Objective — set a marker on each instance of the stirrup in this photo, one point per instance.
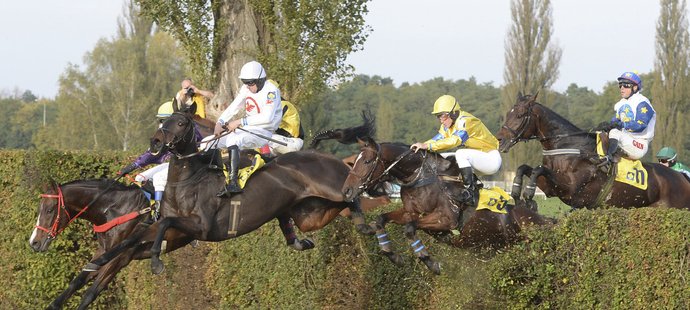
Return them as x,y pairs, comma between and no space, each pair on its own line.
228,190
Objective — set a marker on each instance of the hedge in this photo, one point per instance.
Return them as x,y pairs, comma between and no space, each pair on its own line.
591,259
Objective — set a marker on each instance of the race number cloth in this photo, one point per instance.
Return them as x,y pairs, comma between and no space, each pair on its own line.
494,199
630,172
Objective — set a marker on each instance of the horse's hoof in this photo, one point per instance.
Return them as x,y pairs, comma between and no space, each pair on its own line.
365,229
157,267
302,245
434,266
394,257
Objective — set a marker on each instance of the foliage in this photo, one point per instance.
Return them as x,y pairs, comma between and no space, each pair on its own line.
623,259
671,69
302,45
112,103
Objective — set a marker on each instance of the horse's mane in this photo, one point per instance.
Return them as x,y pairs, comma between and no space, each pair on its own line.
557,117
102,184
348,135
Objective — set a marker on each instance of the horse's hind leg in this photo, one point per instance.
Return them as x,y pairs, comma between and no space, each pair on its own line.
420,249
285,223
78,282
357,217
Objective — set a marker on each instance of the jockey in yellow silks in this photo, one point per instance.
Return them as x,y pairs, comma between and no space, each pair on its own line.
478,146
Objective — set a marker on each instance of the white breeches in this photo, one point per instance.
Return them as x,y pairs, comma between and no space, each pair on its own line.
482,163
635,148
159,175
242,139
293,144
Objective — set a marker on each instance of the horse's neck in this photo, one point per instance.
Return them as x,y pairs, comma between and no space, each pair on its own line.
78,197
556,132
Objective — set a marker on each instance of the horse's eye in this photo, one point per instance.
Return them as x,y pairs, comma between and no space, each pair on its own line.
180,124
368,161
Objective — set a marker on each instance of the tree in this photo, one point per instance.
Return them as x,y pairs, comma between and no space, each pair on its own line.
670,90
531,64
303,45
112,103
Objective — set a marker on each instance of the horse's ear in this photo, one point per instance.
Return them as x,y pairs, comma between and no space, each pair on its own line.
192,109
519,97
50,187
176,107
534,98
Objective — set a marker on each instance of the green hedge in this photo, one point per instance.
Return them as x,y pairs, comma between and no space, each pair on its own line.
593,259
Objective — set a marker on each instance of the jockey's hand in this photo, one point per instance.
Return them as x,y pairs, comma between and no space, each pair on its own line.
219,129
417,146
233,124
128,169
604,126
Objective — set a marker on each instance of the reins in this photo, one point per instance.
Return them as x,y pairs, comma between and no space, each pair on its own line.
54,231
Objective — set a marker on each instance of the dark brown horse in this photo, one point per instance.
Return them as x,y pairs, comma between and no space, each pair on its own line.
304,186
103,203
569,170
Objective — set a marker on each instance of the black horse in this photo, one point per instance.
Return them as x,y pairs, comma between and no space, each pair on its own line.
569,169
304,186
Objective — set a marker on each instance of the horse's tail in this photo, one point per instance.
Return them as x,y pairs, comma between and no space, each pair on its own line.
348,135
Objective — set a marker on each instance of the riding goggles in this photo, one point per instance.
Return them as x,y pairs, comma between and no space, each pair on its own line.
625,85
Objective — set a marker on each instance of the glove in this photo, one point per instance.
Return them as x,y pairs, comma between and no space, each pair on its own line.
128,169
604,126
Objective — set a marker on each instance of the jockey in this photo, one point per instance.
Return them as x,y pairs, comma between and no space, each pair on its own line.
260,100
667,157
633,126
290,130
158,174
479,148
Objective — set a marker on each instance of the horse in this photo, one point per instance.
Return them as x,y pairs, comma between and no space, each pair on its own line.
303,186
115,210
569,168
428,201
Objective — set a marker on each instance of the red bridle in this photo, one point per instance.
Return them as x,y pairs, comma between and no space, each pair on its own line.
55,229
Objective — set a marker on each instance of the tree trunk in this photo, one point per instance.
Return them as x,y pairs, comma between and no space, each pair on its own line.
237,44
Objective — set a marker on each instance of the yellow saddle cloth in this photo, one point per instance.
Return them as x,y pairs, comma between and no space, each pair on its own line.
493,199
244,173
629,171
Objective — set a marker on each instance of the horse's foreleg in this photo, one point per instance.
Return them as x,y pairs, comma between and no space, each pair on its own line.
517,181
420,249
78,282
156,263
105,276
382,235
531,188
358,220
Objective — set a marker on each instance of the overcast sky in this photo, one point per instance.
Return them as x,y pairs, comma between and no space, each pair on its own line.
411,41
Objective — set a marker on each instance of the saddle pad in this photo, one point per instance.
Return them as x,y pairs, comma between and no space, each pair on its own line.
244,173
493,199
630,172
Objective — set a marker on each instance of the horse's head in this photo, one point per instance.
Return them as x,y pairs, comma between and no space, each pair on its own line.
176,134
366,170
520,123
53,217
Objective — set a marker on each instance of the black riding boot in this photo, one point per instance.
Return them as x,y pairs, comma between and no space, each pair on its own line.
470,184
609,159
232,186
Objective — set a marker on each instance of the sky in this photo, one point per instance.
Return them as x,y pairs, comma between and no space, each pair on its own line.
411,41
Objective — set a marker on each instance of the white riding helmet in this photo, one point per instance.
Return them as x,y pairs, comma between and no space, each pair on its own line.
252,70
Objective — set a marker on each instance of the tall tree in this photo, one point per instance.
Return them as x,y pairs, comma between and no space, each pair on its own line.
531,64
112,103
303,45
670,91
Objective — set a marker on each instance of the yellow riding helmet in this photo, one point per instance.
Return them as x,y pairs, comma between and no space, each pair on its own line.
165,110
446,104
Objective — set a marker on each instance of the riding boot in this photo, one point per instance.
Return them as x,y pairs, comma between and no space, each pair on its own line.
233,186
469,196
155,212
609,159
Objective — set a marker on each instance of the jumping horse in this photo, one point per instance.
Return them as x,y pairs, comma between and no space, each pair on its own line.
569,168
115,210
428,201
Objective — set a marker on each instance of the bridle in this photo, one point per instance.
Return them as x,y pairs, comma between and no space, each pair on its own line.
517,133
186,137
55,227
368,177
